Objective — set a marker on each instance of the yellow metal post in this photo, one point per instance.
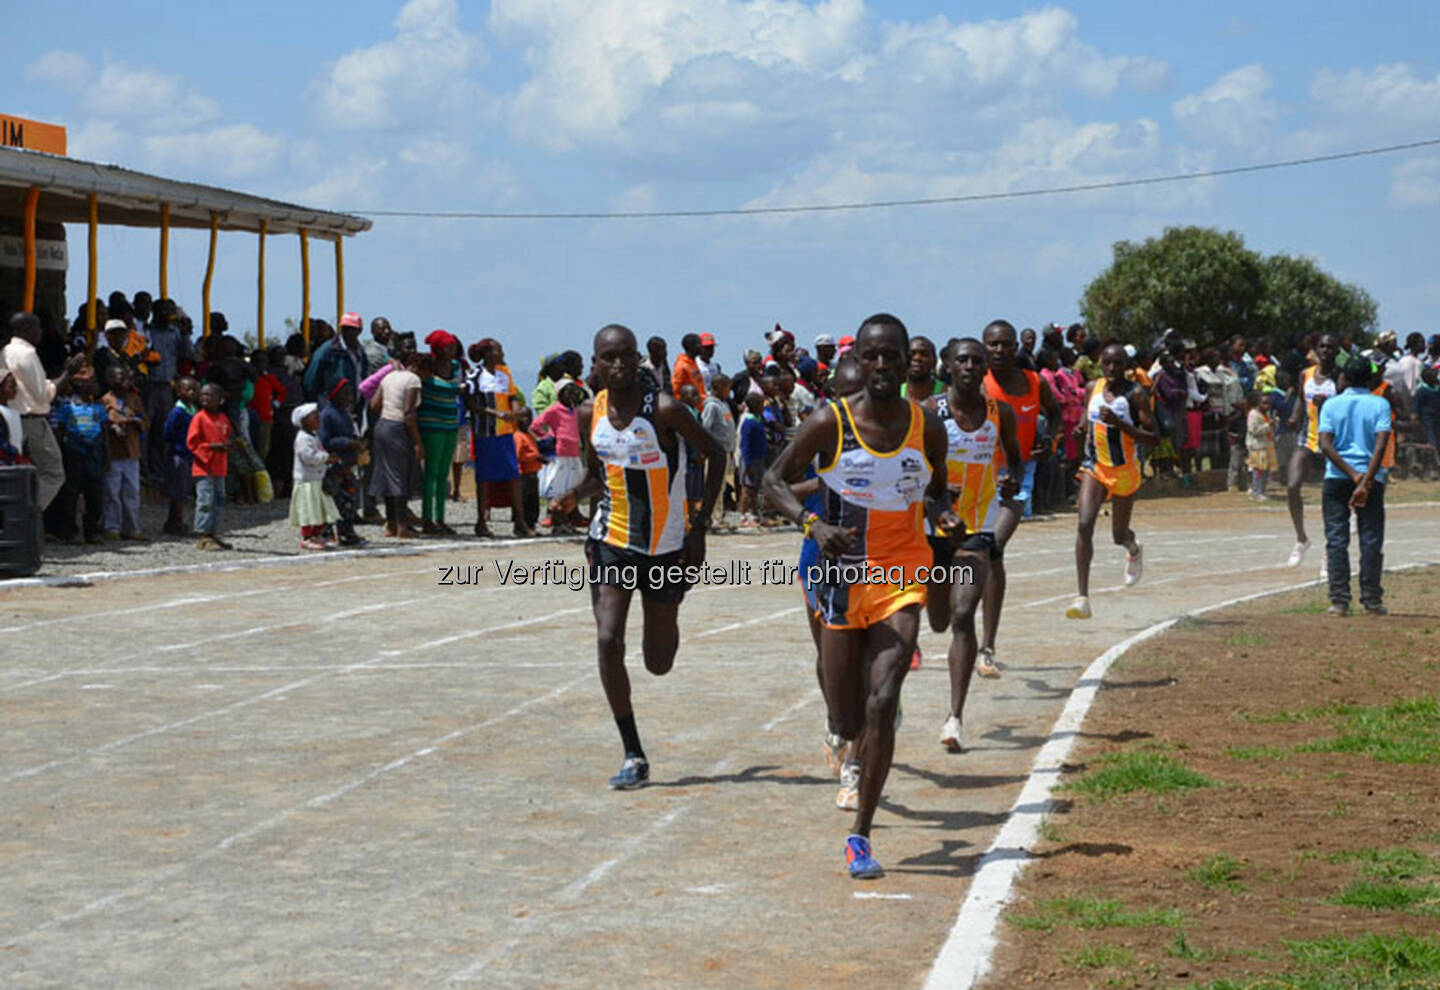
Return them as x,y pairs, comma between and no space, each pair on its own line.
209,271
93,283
32,200
164,250
305,286
339,281
260,289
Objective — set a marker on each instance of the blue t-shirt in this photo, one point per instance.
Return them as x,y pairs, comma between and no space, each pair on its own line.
1354,417
84,421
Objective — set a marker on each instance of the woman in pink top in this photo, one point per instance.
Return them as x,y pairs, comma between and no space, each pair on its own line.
562,421
1069,391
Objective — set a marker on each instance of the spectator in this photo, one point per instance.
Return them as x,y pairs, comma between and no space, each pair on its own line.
310,508
655,368
12,433
377,348
782,351
336,434
494,399
747,382
398,450
1087,365
112,352
281,459
687,367
438,418
754,452
527,457
1260,443
81,422
566,469
719,422
709,367
178,460
209,439
1355,428
1026,358
825,352
171,346
33,395
269,396
337,358
125,412
552,369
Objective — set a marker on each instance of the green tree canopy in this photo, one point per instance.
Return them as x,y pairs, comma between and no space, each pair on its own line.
1299,298
1209,286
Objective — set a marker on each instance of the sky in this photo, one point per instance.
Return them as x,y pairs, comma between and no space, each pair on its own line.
611,105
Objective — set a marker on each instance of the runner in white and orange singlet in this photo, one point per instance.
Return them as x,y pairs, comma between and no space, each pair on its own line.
1317,383
880,459
980,440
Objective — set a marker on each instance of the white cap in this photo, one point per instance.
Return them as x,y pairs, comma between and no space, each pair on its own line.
301,411
116,325
824,340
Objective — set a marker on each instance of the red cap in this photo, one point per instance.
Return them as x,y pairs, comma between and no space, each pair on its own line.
847,341
351,320
707,340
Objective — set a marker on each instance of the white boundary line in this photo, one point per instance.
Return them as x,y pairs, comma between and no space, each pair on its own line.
965,957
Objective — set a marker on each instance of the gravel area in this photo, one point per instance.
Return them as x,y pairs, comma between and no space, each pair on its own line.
258,532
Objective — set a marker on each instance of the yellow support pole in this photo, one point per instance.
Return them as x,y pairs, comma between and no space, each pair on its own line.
32,201
93,283
209,271
305,286
339,281
260,288
164,250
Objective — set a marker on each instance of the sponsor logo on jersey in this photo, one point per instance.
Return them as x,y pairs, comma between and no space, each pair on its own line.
858,482
650,458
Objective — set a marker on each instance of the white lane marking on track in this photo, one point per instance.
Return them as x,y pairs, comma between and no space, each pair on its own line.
477,967
793,710
244,703
151,883
84,616
870,895
965,957
748,622
628,848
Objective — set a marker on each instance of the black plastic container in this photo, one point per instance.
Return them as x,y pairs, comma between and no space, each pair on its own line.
22,532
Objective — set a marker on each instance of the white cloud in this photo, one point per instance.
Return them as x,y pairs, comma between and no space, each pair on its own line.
232,151
405,80
68,70
1416,183
353,184
1395,94
149,99
440,154
100,141
1232,110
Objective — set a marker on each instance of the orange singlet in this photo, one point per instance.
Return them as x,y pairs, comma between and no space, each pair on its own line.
1027,411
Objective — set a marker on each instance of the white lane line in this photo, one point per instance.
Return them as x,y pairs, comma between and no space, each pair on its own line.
246,703
965,957
870,895
85,616
258,563
224,845
792,711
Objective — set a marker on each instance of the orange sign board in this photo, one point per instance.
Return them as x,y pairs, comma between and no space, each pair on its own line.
17,132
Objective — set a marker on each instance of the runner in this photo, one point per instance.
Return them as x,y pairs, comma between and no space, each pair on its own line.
876,457
636,464
1317,383
980,435
1028,395
1117,417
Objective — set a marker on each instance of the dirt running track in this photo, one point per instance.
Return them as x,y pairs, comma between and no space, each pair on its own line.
344,775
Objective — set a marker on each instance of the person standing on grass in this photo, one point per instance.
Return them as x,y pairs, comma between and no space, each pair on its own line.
1354,430
210,438
1117,419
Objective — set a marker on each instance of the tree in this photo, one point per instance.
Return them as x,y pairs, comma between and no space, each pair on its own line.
1204,283
1299,298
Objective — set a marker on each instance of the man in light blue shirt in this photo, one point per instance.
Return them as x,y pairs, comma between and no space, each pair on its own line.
1354,430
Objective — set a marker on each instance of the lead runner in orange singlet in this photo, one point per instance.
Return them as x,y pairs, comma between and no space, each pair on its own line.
881,461
636,463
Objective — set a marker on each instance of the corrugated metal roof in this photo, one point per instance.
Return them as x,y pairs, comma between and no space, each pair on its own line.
133,199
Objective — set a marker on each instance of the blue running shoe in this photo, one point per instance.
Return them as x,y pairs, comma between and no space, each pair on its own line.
863,866
634,772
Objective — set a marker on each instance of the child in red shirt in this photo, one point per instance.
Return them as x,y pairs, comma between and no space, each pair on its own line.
527,452
209,441
269,393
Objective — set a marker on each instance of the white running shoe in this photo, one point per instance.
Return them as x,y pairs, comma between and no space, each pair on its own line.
1134,566
848,797
1324,568
1298,554
835,748
1079,608
985,664
951,737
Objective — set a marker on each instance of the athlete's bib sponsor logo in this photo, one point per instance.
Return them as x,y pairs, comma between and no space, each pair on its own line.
858,482
650,458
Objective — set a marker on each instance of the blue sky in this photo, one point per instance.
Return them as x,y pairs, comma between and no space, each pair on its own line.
540,105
